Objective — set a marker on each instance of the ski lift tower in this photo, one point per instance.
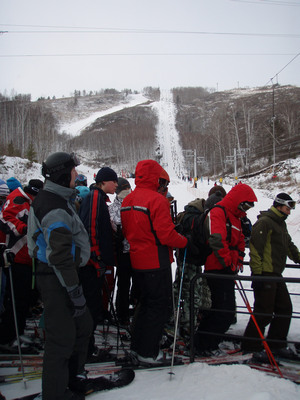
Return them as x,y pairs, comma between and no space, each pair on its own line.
191,154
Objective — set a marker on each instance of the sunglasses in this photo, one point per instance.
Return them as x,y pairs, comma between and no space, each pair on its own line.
288,203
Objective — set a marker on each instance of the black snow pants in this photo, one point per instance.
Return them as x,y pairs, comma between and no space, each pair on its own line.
67,338
273,300
153,310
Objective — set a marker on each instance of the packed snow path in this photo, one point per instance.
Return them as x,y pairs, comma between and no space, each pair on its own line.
168,138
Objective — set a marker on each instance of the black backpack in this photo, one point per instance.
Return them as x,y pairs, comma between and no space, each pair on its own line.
191,224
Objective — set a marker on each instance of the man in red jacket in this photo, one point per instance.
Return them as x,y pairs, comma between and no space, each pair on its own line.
148,227
14,215
226,240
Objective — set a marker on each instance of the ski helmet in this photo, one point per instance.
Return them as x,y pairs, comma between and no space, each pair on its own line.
283,199
58,166
81,180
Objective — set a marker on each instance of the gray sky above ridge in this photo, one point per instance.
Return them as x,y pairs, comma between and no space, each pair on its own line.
52,48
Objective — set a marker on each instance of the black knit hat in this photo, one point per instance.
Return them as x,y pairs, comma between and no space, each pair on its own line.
106,174
33,186
123,184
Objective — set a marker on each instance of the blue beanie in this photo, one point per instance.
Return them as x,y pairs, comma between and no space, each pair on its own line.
13,183
83,191
106,174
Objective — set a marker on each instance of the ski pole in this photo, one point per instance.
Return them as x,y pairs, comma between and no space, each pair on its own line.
264,342
9,257
177,316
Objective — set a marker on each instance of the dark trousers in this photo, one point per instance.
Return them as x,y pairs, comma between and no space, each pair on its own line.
153,310
66,337
223,300
273,299
92,286
124,273
22,282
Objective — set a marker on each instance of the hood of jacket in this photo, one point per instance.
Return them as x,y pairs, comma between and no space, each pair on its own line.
238,194
67,193
274,214
197,203
147,174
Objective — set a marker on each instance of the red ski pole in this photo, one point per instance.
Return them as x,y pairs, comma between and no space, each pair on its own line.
264,342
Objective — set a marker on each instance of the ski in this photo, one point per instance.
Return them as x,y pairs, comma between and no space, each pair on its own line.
118,379
287,373
31,373
289,370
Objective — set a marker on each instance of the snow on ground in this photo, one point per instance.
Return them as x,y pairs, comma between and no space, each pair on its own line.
75,128
200,381
196,381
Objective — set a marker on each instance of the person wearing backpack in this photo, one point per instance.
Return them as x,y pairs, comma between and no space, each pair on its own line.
190,221
226,240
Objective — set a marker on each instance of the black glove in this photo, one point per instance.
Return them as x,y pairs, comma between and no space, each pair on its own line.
257,285
179,228
78,300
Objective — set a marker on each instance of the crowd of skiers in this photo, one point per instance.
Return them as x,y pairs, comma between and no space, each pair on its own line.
64,237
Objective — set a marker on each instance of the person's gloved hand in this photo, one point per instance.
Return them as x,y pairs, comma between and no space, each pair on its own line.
240,261
78,300
179,228
234,267
257,285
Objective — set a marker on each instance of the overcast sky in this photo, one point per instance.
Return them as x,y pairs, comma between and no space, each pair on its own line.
52,47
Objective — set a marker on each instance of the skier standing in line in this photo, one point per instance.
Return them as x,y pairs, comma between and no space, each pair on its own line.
124,268
270,245
226,240
95,216
60,244
202,298
13,217
149,229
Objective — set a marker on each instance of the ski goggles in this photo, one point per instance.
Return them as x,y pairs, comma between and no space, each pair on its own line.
288,203
81,178
163,182
246,205
163,185
75,159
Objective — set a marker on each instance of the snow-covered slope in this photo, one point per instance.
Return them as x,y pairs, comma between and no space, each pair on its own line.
168,138
76,127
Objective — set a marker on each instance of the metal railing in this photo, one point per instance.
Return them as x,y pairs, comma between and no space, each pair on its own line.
235,337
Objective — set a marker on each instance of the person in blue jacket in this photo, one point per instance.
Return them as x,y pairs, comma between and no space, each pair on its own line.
59,243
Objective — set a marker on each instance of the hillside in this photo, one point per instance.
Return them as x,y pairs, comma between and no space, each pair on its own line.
261,125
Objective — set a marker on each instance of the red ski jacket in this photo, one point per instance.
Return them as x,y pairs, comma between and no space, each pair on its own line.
14,215
225,233
147,222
